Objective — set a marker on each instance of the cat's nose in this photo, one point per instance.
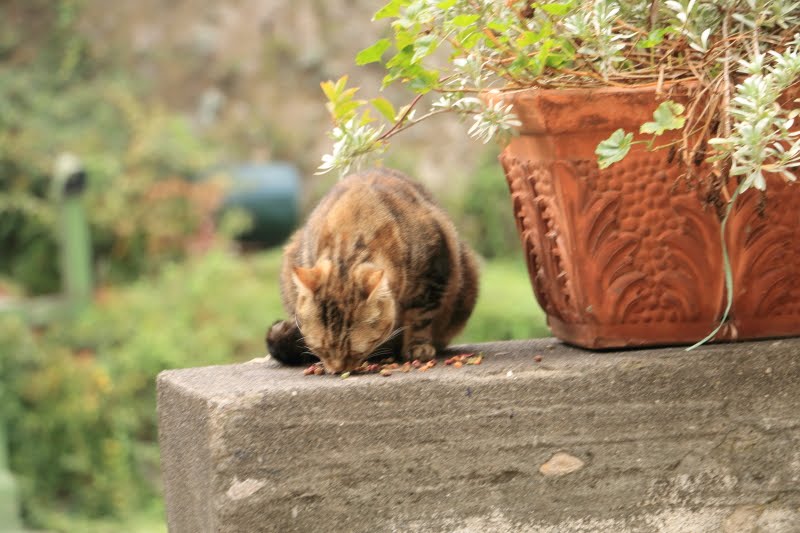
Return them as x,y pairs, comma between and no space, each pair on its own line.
334,366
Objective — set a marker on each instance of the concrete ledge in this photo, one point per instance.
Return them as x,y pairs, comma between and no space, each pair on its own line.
651,440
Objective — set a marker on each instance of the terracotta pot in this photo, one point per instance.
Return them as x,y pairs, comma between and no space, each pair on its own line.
630,255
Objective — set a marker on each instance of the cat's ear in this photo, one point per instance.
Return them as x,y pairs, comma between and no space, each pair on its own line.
311,279
374,281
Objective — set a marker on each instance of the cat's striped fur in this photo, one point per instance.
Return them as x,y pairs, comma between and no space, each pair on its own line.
377,258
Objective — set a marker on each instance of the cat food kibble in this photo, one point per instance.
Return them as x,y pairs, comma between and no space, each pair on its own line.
427,366
457,361
476,360
388,366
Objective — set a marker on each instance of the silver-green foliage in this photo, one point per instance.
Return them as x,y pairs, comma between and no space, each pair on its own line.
498,46
761,138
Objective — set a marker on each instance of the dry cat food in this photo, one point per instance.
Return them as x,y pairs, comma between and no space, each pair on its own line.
458,361
386,367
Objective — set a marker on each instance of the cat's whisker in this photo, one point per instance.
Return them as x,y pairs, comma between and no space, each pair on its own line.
395,333
381,352
383,349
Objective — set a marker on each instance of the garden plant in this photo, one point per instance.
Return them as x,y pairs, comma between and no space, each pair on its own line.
722,74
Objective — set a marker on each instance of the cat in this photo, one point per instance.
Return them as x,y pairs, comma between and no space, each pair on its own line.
377,270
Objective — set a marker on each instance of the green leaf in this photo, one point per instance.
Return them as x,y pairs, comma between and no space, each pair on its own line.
424,81
414,75
520,63
469,38
654,38
373,54
541,57
614,148
332,89
499,26
327,88
390,10
384,107
402,59
527,38
557,9
464,20
424,47
341,103
446,4
666,117
404,40
557,60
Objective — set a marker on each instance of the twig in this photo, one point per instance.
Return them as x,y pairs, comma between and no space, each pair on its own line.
726,73
653,14
391,131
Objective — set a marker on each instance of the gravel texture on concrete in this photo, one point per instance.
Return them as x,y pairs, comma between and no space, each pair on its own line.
656,440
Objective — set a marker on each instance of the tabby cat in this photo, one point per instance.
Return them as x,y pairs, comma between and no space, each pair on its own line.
377,270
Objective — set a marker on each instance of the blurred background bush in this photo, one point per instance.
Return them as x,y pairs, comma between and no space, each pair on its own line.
153,98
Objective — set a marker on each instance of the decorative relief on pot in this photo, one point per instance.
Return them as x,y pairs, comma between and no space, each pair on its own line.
640,251
536,217
764,252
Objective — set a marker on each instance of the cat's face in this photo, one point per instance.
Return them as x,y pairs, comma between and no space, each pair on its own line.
343,318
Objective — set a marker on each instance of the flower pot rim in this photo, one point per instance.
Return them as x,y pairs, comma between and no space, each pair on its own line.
585,109
647,88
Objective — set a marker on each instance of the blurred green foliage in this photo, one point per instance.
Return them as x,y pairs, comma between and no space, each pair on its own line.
506,307
483,211
55,99
79,397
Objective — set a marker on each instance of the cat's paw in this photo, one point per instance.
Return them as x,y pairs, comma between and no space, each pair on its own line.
422,352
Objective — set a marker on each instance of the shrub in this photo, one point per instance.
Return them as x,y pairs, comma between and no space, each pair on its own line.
57,98
79,395
506,307
483,212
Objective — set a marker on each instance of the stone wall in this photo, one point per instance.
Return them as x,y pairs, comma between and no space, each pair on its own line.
641,441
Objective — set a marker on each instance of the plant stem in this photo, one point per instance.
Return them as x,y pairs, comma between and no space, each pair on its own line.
726,265
653,18
726,262
402,119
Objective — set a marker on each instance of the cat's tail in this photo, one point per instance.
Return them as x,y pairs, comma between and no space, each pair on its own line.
285,344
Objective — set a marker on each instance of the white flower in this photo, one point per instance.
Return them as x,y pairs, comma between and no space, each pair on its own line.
496,120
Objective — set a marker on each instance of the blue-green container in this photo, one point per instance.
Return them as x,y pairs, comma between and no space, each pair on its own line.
270,194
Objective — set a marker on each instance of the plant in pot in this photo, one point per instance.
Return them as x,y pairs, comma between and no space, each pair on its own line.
649,151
